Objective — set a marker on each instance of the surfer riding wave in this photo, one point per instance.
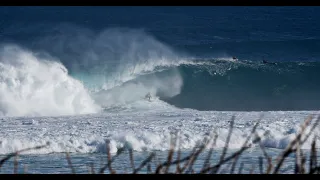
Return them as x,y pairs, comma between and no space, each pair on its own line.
148,96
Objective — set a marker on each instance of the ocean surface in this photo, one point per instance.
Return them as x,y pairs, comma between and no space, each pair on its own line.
74,77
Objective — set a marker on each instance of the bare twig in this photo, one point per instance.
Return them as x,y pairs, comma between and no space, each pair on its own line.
178,169
253,167
173,142
188,159
92,168
149,168
194,157
240,168
207,161
131,159
303,162
226,159
25,169
9,156
237,153
156,161
109,157
289,148
298,167
312,129
234,164
313,157
159,167
261,165
224,151
69,163
269,159
110,160
203,145
15,168
144,163
88,167
101,163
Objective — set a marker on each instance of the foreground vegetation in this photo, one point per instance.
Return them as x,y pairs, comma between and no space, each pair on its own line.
182,165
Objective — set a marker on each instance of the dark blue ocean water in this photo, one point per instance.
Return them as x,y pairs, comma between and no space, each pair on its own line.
274,33
289,36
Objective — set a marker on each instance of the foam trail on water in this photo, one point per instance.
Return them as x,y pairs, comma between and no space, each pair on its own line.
31,85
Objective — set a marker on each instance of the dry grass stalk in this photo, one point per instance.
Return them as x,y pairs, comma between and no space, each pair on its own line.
253,167
298,160
290,148
207,160
203,145
241,168
92,168
225,148
25,169
234,164
111,159
311,130
178,169
244,147
9,156
188,159
303,163
131,159
149,168
173,142
15,165
160,166
69,163
224,152
145,162
313,157
269,159
260,165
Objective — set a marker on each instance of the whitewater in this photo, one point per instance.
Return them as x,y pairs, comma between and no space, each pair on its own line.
144,131
74,103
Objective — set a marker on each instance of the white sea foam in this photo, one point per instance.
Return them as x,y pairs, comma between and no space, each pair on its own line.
145,130
33,86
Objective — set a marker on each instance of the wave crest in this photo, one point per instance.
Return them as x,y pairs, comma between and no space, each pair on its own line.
32,86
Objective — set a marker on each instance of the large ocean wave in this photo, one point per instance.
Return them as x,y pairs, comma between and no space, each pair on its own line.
78,71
